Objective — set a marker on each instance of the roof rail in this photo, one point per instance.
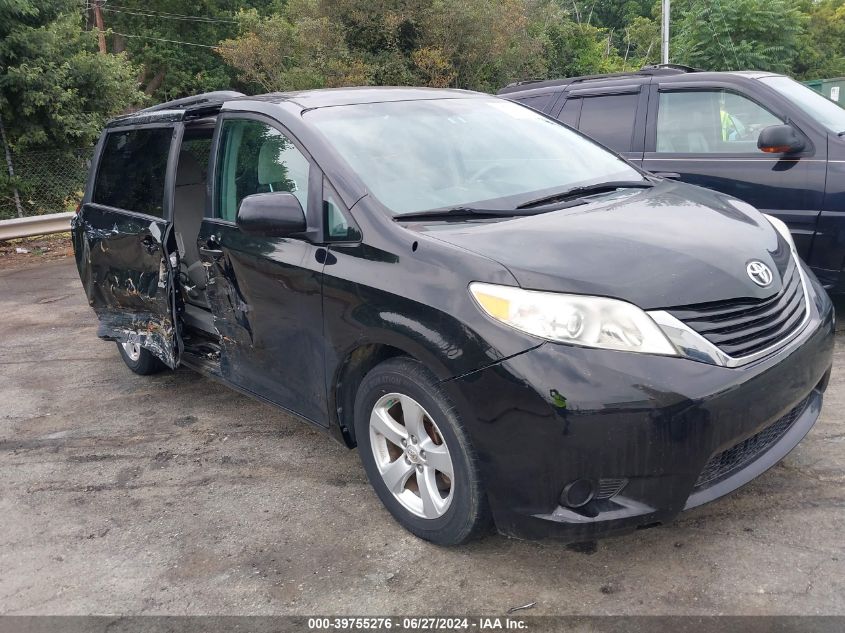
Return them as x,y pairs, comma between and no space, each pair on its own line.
218,96
524,82
645,70
681,67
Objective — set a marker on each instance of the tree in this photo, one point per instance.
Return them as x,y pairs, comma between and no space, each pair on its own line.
293,50
573,49
737,35
173,41
821,50
56,91
642,43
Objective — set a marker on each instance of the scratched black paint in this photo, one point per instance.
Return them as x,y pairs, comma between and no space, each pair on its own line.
298,321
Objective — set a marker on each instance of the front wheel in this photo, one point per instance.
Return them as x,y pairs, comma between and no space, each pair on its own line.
140,360
417,455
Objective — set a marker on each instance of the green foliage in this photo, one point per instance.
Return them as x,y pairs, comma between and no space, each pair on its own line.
737,35
172,41
821,50
573,49
294,50
55,89
642,43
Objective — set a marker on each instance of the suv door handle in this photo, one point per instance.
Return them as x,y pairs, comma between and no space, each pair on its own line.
149,244
211,247
669,175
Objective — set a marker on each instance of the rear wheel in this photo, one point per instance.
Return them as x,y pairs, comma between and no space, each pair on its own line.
140,360
417,455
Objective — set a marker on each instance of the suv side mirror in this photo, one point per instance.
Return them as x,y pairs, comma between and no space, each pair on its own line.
780,139
276,214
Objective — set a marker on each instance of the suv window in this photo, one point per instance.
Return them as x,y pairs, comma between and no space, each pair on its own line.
538,102
609,119
570,112
257,158
133,166
710,122
339,226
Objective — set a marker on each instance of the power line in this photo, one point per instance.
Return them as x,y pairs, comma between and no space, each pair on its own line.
161,39
164,16
115,7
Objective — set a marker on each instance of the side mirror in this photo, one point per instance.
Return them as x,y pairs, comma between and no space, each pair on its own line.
276,214
780,139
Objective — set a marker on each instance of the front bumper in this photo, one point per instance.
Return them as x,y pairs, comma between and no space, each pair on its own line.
651,425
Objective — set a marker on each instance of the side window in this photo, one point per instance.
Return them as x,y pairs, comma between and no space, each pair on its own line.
571,112
710,122
257,158
538,102
132,170
339,226
610,120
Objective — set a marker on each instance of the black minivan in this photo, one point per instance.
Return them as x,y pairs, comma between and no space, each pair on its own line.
511,323
760,137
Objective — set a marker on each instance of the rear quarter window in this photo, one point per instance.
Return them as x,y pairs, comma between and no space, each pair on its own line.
609,119
132,170
542,103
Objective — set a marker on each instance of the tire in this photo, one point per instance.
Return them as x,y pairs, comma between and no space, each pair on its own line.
413,479
140,360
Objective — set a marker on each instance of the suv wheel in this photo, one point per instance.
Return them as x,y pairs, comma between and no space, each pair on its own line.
416,454
140,360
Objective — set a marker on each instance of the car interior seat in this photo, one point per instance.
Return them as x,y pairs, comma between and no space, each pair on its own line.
189,209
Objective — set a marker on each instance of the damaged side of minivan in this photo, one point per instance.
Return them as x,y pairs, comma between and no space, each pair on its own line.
125,247
137,256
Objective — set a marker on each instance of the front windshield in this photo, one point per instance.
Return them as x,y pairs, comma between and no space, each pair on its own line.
446,153
822,109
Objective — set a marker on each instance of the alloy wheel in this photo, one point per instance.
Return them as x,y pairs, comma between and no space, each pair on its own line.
133,351
411,455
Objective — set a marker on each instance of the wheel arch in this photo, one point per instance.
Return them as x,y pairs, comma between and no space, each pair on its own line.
352,369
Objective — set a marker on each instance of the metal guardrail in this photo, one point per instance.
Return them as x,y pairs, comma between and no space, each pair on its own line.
35,225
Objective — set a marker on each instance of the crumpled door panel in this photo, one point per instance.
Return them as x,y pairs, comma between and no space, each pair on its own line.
124,262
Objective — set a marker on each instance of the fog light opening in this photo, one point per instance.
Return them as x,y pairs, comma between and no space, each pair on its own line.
578,493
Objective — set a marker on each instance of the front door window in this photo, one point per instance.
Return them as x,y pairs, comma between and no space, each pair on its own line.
257,158
710,122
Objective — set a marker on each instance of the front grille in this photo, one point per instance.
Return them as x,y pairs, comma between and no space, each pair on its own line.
740,455
740,327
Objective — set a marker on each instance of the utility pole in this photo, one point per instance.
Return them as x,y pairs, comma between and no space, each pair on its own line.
10,169
101,32
664,33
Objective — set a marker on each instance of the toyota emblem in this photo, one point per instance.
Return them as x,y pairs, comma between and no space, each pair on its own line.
760,273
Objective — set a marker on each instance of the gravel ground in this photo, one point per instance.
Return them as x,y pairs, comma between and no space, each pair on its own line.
170,494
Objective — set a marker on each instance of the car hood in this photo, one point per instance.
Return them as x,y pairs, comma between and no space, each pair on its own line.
667,246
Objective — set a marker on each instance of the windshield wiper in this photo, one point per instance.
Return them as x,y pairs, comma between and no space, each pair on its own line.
578,192
460,212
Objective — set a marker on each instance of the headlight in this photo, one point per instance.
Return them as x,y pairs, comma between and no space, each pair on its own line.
575,319
781,228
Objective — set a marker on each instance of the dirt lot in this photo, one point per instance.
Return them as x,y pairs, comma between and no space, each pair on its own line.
34,250
170,494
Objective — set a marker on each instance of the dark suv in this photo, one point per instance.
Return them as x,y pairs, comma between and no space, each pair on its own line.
761,137
510,322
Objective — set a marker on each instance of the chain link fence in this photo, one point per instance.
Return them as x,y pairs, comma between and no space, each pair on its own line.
46,181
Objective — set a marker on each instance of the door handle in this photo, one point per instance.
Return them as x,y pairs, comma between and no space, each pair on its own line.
669,175
211,247
149,244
